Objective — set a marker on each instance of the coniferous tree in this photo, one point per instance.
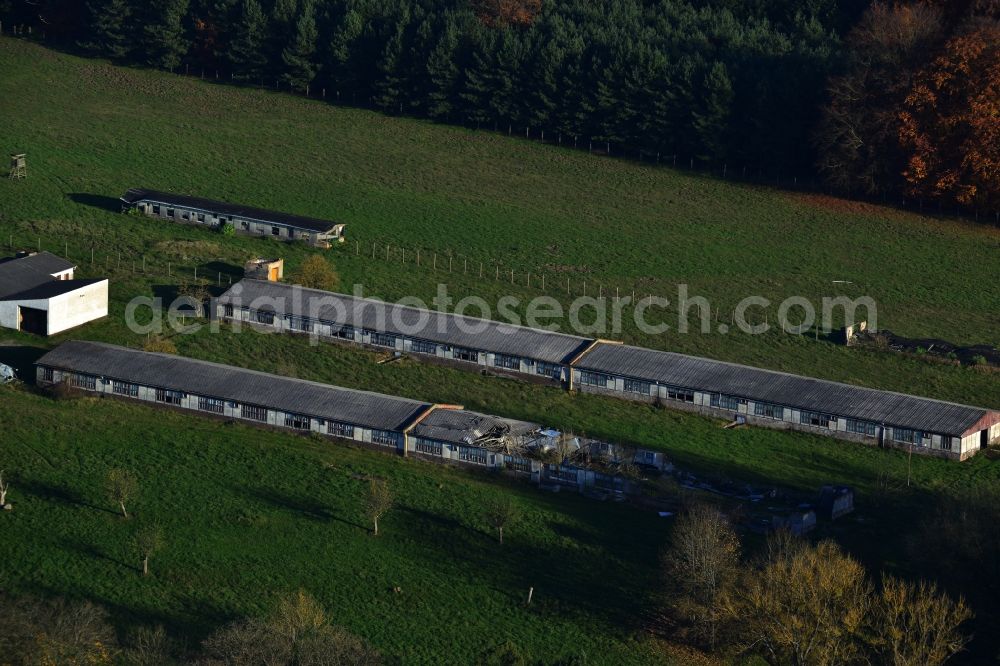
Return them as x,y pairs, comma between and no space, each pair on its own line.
247,52
163,35
299,56
107,28
443,72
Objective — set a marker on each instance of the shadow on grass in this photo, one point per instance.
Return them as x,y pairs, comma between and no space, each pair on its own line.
94,552
96,201
22,358
51,492
299,505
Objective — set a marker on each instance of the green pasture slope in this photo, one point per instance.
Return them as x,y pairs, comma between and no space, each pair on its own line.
91,130
250,514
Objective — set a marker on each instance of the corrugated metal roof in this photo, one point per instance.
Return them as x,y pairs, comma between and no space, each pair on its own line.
177,373
136,195
440,327
18,274
834,398
464,427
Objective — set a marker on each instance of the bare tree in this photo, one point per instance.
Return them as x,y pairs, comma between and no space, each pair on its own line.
148,540
4,488
298,632
378,501
55,632
702,565
915,624
121,486
500,513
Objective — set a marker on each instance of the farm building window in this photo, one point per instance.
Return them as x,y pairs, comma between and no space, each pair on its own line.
637,386
298,421
945,443
725,401
201,217
517,463
558,473
340,429
768,410
211,405
507,362
861,427
684,395
156,210
462,354
84,381
170,212
908,436
275,231
227,310
186,215
428,446
47,374
472,454
264,317
300,324
125,388
382,339
244,224
344,333
593,379
548,370
253,412
386,437
424,347
816,419
169,397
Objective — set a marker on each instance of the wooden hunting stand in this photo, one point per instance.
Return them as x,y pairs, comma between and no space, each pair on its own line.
18,166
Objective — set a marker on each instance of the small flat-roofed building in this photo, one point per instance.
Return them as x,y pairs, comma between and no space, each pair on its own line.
39,294
245,219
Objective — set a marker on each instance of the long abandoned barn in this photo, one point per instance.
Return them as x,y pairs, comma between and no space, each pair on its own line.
726,390
245,219
445,433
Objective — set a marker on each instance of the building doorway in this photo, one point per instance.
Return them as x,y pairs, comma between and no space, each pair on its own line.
984,438
34,321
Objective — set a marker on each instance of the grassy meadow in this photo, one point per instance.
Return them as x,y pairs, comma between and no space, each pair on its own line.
250,514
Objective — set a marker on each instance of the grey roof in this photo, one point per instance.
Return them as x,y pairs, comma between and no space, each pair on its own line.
464,427
432,325
18,274
834,398
51,289
177,373
136,195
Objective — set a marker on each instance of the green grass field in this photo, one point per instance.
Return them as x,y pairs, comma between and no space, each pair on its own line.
92,130
251,514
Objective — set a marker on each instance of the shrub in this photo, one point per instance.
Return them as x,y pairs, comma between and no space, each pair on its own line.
228,229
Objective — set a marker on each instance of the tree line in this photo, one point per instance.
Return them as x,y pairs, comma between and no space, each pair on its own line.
876,98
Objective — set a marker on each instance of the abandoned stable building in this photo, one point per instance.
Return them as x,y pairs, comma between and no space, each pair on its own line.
442,433
398,424
39,294
738,393
245,219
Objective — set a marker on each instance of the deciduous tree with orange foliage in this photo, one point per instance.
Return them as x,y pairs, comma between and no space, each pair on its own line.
503,13
950,122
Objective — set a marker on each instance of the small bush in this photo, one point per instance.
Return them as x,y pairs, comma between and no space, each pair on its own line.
979,359
228,229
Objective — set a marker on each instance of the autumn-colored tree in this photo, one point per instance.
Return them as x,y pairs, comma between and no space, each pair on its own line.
916,625
950,122
503,13
806,605
857,138
158,343
317,273
378,501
